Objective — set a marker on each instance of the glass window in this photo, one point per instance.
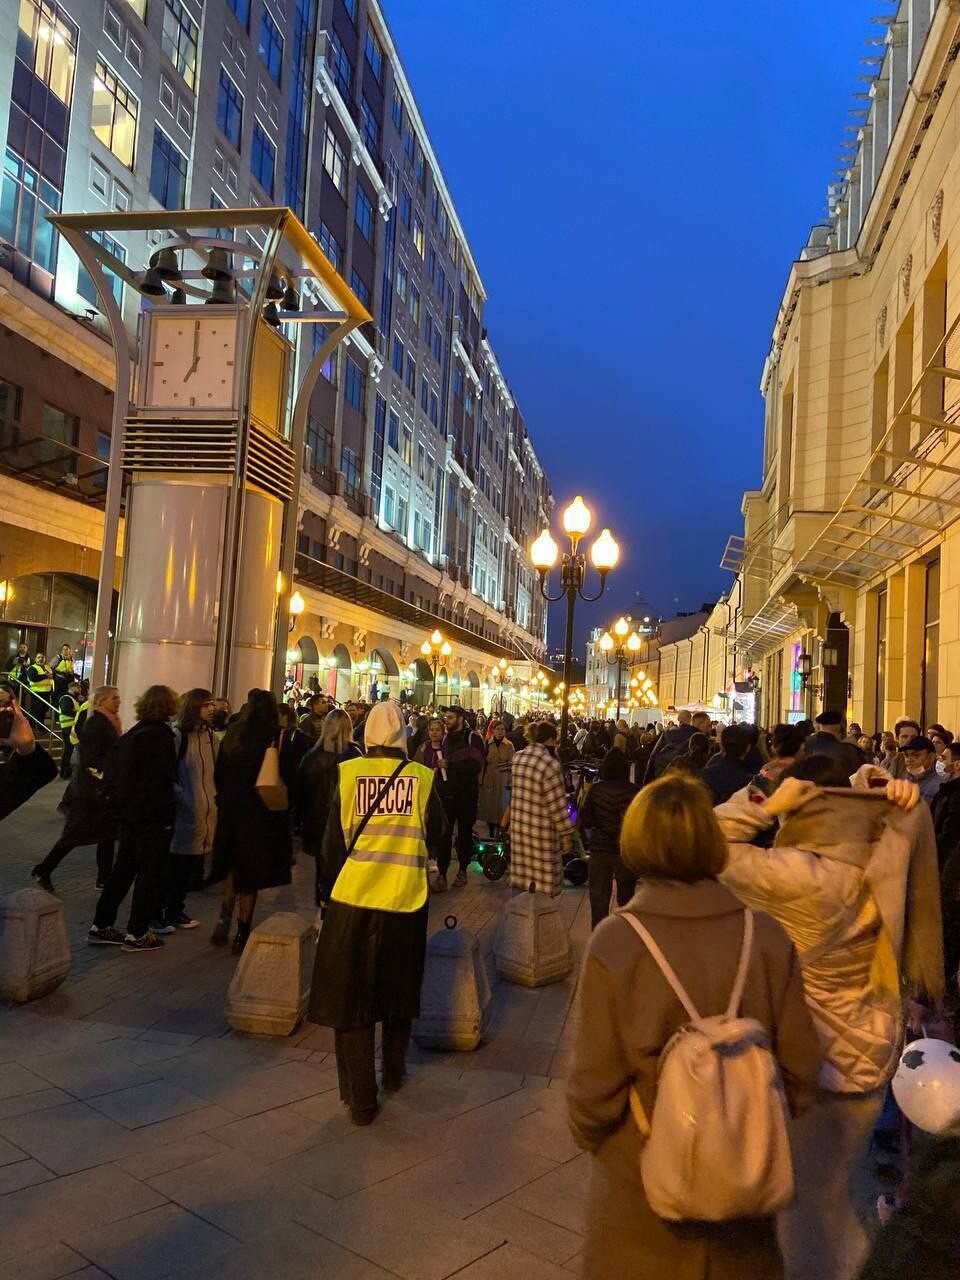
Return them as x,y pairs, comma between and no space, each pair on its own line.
418,236
442,223
406,446
397,360
330,246
458,381
434,202
409,143
85,285
373,52
411,375
351,8
371,126
263,158
229,109
334,160
341,68
359,287
428,329
350,466
168,172
929,694
396,108
431,261
319,446
402,517
420,167
114,114
393,431
389,508
271,47
413,305
241,10
401,282
353,384
434,408
25,200
376,459
180,39
47,44
363,214
59,426
424,394
10,397
406,207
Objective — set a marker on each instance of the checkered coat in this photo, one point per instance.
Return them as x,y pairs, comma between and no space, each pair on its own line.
540,826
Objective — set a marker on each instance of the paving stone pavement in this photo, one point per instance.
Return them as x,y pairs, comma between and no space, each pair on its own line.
142,1139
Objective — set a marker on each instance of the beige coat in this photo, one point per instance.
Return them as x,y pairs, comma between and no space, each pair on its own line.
853,881
628,1015
494,789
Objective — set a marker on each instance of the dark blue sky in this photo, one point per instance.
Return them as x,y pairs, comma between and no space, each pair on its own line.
635,180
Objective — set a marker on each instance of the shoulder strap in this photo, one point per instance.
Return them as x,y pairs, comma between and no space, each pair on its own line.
662,963
382,791
736,995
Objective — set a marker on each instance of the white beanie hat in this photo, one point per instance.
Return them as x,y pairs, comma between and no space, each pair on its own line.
385,726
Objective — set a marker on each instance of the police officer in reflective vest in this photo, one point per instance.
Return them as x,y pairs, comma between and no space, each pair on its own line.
385,821
68,708
40,683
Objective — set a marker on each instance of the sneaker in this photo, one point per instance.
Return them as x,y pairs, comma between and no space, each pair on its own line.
43,880
149,942
181,921
161,928
106,937
440,885
461,880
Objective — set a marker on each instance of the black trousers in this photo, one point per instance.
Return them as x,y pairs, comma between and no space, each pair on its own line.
68,749
141,862
65,846
461,811
181,869
356,1070
602,867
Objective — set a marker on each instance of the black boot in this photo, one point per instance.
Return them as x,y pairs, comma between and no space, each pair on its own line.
42,878
240,941
221,934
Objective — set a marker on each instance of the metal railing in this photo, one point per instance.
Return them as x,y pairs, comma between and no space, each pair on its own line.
54,739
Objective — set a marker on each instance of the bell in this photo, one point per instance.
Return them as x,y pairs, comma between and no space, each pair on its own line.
275,287
218,266
165,263
271,314
291,299
224,291
179,298
152,284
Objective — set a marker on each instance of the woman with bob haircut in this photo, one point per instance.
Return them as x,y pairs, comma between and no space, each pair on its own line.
671,841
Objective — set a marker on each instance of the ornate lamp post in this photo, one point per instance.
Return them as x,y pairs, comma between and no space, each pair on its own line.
502,675
573,570
618,649
433,650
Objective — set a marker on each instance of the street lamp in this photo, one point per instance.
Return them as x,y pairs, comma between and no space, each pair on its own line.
296,607
544,552
541,682
433,650
503,675
619,648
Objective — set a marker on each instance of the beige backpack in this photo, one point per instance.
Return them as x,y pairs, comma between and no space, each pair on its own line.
718,1146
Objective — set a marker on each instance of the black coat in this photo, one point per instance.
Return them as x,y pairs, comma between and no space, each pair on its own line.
724,776
602,814
141,775
369,965
668,746
252,841
825,744
90,817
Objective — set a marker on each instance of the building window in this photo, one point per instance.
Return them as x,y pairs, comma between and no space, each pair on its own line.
930,687
424,394
437,344
329,367
241,11
413,305
434,202
409,143
334,160
396,109
363,214
397,360
402,517
168,172
271,47
442,223
441,282
353,385
229,109
458,381
47,45
373,52
263,158
360,288
350,467
319,447
389,510
406,446
428,329
329,245
418,235
376,459
59,426
411,378
340,65
371,126
434,408
180,39
114,114
10,400
406,207
85,286
393,432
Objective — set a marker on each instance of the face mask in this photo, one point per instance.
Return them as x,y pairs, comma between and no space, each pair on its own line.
941,768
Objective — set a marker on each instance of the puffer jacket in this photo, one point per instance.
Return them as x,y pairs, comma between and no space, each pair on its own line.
853,880
602,814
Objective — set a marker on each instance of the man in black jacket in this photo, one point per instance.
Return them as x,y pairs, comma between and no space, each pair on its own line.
674,743
141,784
464,756
601,818
728,771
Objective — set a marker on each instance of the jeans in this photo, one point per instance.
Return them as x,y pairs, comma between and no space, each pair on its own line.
141,862
461,811
602,868
181,868
63,847
356,1069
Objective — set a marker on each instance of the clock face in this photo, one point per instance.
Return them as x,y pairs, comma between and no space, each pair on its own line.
192,358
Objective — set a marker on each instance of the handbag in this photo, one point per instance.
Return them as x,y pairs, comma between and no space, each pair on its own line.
269,786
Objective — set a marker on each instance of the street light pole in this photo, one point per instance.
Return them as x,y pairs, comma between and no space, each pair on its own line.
617,649
434,649
573,569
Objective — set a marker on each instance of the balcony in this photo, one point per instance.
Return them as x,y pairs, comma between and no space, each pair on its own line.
28,455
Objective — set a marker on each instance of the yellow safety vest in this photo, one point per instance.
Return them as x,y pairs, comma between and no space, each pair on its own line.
39,679
74,735
67,718
63,667
387,870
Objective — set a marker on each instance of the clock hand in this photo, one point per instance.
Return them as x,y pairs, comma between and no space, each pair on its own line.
196,350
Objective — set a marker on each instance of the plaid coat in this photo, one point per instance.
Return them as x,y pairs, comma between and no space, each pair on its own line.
540,826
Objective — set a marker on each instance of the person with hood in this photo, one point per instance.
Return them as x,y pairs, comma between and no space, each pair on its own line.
384,822
673,743
195,826
90,816
600,819
852,878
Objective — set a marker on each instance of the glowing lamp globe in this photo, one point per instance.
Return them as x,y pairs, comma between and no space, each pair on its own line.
577,518
436,638
606,642
633,642
544,552
605,553
621,627
425,649
297,604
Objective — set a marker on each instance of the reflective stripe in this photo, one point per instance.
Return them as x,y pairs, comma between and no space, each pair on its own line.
394,859
406,831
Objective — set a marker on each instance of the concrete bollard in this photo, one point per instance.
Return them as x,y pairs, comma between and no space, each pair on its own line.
455,1000
271,987
532,947
34,947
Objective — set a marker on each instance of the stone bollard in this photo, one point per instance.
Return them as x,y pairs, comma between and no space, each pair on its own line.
34,947
532,947
455,1000
271,987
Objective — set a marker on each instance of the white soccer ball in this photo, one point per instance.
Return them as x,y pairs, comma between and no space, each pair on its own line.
927,1085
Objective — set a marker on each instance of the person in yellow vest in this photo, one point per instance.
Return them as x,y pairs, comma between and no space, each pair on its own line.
68,708
63,670
385,821
40,682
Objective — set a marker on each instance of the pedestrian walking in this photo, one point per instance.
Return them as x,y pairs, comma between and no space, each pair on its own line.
463,760
253,846
90,817
195,825
68,707
142,786
540,828
671,841
317,784
600,819
384,821
495,786
852,877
